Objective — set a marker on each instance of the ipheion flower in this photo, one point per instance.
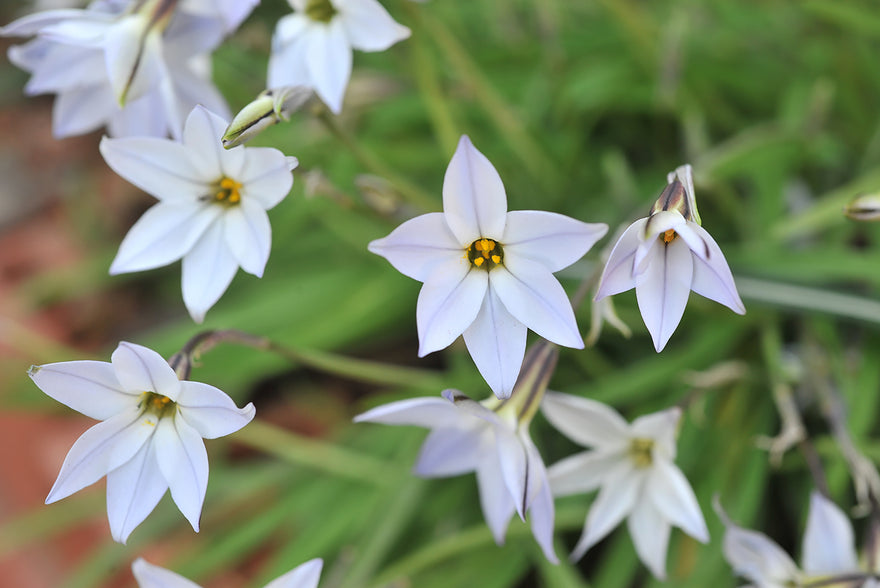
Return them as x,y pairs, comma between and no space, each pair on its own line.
305,575
211,210
487,272
313,46
150,436
633,465
665,256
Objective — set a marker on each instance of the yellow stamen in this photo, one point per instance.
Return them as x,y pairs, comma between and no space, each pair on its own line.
641,452
485,253
668,236
496,259
228,192
478,261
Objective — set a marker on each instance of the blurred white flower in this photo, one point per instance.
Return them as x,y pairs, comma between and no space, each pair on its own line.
313,46
150,436
488,273
632,464
138,68
231,12
150,576
492,439
665,256
211,210
828,557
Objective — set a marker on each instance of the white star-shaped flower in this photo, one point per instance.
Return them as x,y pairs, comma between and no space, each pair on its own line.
138,71
148,575
212,206
150,436
828,557
488,273
665,256
312,47
492,439
632,464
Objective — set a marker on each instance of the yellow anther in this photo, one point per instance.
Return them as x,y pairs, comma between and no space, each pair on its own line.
228,191
496,259
641,451
668,236
478,261
485,253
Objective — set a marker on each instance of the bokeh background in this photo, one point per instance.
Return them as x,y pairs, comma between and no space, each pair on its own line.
583,107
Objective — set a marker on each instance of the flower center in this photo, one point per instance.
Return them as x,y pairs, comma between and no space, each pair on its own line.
157,404
669,235
228,192
320,10
640,451
485,253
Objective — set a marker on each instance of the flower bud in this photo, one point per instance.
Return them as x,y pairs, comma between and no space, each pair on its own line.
865,207
270,107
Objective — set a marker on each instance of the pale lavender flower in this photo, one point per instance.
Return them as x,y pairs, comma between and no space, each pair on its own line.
633,467
212,206
665,256
148,575
487,272
150,436
313,46
492,439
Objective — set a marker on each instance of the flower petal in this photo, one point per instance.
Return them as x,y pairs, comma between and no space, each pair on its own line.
368,25
829,546
650,535
141,369
80,111
619,274
448,303
150,576
535,298
582,472
432,413
266,177
514,468
495,498
248,236
673,497
305,575
287,62
134,57
662,290
208,270
497,343
417,246
584,421
164,234
754,556
133,491
616,500
712,278
210,411
450,452
89,387
328,59
541,517
100,450
157,166
554,240
202,135
474,200
184,464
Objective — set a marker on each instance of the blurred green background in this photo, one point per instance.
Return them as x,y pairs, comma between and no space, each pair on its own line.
583,107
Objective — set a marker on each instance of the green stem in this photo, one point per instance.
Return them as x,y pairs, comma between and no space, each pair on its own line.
308,452
804,298
425,75
415,195
507,122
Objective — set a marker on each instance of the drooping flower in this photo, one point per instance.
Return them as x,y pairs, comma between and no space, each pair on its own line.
137,68
665,256
313,46
492,439
150,436
148,575
488,273
633,466
211,210
828,556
